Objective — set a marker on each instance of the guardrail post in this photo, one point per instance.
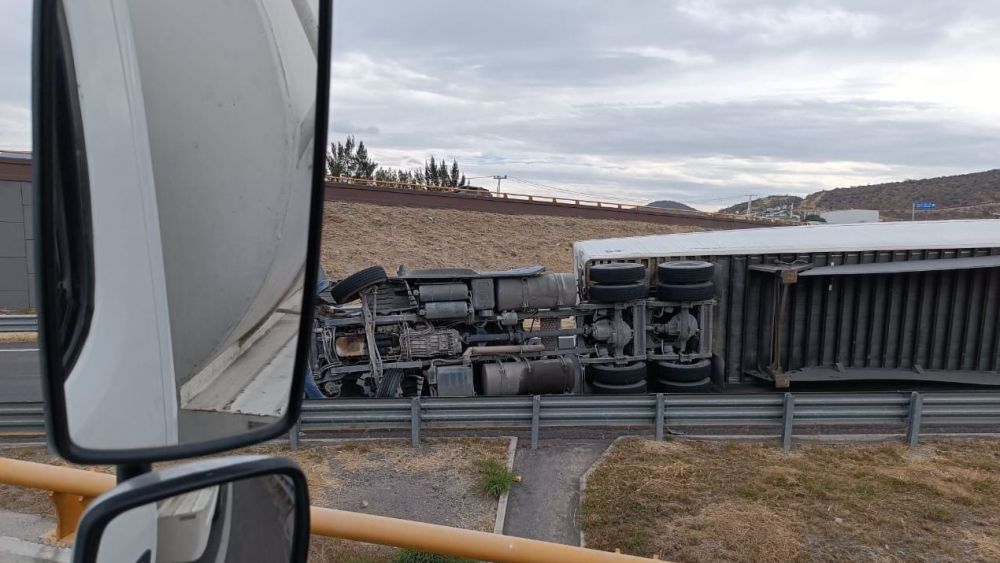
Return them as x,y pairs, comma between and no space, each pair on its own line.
293,436
913,419
415,422
536,410
787,419
660,405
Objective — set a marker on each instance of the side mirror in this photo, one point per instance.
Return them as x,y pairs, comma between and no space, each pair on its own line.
228,509
179,175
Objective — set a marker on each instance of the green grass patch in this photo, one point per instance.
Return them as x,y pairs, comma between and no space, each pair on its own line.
983,486
751,492
939,514
494,478
413,556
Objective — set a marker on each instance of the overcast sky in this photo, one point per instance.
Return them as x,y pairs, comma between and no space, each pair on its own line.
695,100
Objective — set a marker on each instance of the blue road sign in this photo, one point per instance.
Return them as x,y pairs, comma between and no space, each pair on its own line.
925,205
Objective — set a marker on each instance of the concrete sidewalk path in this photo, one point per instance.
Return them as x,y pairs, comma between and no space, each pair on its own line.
544,505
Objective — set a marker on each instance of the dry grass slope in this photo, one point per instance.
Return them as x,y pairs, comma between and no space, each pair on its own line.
975,195
356,236
711,501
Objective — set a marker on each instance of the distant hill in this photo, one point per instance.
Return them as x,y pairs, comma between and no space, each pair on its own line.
773,202
975,195
669,204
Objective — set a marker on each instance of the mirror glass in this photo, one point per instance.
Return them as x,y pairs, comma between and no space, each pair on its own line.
248,520
175,172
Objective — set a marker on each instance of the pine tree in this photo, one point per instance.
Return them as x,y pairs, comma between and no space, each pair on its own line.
350,159
364,167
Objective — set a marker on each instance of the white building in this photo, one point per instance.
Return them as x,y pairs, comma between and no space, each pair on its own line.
842,216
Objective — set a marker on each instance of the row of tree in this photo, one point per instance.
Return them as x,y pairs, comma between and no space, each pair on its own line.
350,160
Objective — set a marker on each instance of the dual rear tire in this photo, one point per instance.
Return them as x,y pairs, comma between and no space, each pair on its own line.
618,282
675,377
667,377
685,280
618,380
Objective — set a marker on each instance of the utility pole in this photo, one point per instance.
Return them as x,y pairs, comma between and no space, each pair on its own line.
498,178
749,203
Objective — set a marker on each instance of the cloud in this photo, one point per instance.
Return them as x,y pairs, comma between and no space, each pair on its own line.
683,57
697,100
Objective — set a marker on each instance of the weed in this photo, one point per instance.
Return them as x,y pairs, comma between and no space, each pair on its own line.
983,486
939,514
751,492
637,542
412,556
494,477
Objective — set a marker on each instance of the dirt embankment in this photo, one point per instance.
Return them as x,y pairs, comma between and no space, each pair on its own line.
356,236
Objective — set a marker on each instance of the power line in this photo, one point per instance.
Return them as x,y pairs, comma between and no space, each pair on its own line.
498,178
572,192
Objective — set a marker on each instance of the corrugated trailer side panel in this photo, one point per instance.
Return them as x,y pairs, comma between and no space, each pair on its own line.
936,320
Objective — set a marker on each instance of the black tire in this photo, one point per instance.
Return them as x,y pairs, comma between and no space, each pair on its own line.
391,380
619,272
610,374
685,271
702,386
617,293
631,388
691,292
683,373
347,290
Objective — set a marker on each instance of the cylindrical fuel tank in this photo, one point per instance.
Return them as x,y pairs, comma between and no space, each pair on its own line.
443,292
547,291
530,377
446,310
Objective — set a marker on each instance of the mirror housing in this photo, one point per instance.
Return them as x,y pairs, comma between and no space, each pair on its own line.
178,235
214,510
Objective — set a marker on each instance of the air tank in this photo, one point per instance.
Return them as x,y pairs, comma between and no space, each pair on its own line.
446,310
530,377
547,291
443,292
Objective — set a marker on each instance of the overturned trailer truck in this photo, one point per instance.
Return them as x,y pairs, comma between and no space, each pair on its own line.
678,313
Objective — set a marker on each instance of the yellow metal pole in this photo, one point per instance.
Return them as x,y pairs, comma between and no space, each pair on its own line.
70,490
55,478
450,541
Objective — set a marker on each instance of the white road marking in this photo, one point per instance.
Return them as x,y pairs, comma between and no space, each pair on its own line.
20,350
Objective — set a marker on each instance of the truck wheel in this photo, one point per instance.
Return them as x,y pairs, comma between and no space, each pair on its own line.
702,386
347,289
683,373
631,388
618,272
610,374
690,292
685,271
617,293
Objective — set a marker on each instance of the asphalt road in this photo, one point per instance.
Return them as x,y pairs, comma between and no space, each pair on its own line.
19,373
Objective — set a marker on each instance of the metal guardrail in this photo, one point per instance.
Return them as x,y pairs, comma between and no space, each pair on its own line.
852,413
28,418
18,323
965,412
